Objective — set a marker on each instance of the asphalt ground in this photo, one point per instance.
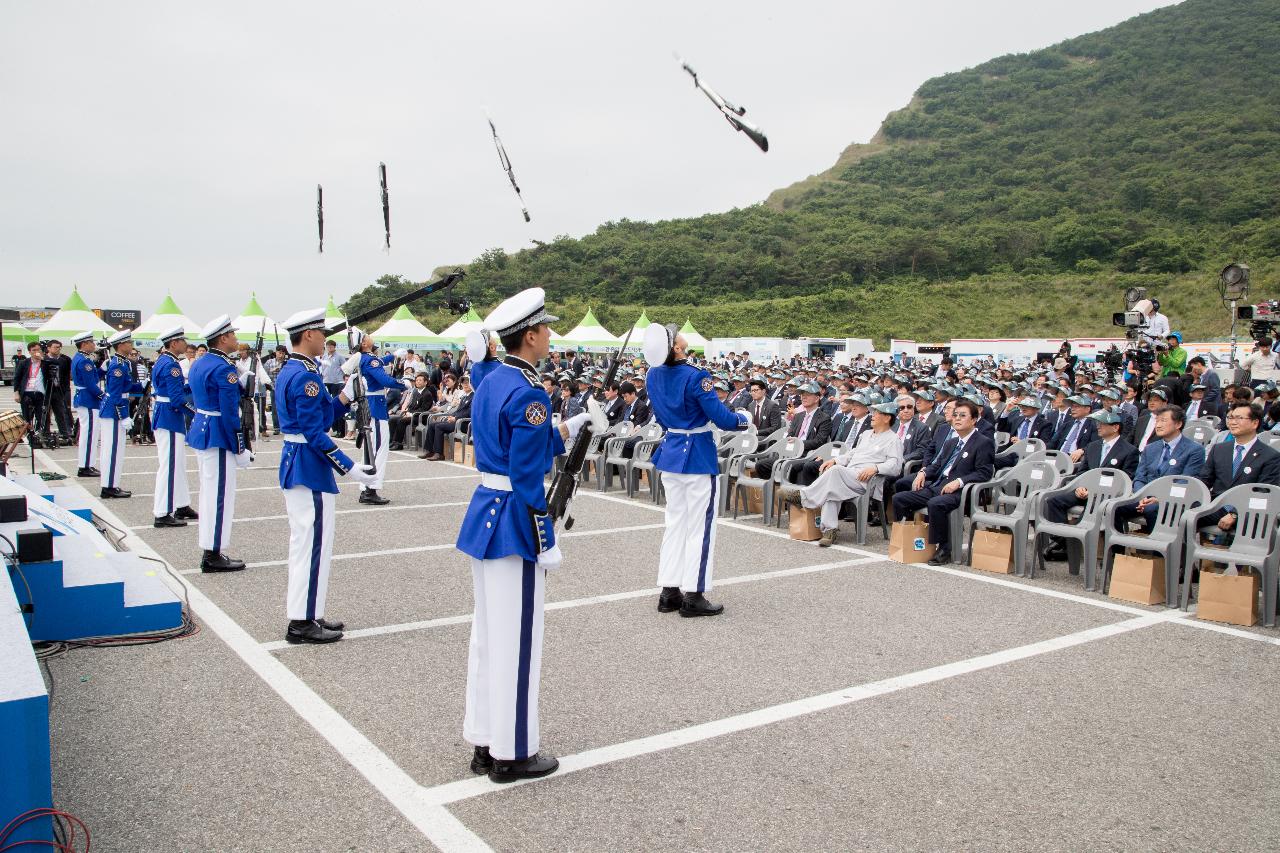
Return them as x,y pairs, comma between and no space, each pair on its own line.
842,701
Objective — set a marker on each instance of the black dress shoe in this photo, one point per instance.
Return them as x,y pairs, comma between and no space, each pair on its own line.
369,496
332,626
186,513
534,767
481,761
941,557
216,561
310,631
670,599
115,492
1055,553
88,472
169,521
696,604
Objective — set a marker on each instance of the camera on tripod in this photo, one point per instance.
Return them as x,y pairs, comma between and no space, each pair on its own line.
1264,318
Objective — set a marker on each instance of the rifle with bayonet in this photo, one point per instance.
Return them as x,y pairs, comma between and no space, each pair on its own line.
360,399
248,404
565,482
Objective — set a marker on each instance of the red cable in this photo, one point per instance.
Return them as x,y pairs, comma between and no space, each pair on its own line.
34,814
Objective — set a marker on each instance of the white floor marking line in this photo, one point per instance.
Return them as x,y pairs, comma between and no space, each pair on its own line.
463,619
418,549
341,485
452,792
1218,628
436,823
390,508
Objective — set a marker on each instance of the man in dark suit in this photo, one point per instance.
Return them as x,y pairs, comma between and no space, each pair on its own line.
415,402
765,414
808,422
440,429
32,385
917,440
60,387
1171,454
1240,461
1144,427
1108,450
613,404
1196,408
1199,373
966,457
1030,424
926,412
1074,437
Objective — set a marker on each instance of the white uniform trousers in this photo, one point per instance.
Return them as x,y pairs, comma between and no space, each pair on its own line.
111,450
217,497
310,550
377,450
504,664
833,487
687,558
89,429
171,476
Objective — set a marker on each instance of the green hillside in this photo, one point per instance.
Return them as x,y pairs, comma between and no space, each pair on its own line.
1025,194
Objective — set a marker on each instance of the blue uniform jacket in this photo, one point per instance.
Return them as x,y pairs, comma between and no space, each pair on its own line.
481,369
682,397
86,375
215,387
168,382
306,409
377,382
511,425
120,384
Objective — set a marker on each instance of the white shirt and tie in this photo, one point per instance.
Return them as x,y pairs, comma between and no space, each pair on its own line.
1146,435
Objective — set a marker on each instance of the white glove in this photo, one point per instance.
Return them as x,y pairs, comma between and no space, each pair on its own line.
126,424
362,474
243,459
353,361
599,420
574,424
551,559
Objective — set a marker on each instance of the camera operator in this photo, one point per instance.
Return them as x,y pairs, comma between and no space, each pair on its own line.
1172,357
1261,364
1155,329
59,387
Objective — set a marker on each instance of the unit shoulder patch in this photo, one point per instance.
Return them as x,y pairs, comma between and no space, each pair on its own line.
707,384
175,372
232,378
536,414
117,372
312,389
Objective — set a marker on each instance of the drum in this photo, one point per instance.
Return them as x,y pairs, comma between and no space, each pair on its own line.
12,427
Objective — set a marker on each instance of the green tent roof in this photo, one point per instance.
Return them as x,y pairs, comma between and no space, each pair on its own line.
253,309
403,313
74,302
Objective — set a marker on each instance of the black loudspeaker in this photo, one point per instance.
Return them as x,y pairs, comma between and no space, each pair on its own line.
13,508
35,546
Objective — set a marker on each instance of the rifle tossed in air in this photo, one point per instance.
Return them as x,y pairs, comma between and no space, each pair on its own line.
731,112
565,482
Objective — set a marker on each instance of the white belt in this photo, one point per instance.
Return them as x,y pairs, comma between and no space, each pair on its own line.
294,438
208,413
499,482
381,393
160,399
707,427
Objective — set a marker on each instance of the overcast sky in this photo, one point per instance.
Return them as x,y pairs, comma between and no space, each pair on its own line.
159,146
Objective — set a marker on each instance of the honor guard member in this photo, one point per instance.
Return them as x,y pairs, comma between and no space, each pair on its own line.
114,412
172,503
511,541
377,381
482,350
308,462
86,375
218,441
684,402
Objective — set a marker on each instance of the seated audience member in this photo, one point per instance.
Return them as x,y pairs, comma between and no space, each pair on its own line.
1169,454
879,451
1144,429
1029,424
765,413
1242,460
916,438
1073,437
808,423
433,441
966,457
416,402
635,411
1109,450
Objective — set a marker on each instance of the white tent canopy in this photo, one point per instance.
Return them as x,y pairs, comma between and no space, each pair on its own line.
404,330
588,334
637,332
166,317
255,320
692,338
73,318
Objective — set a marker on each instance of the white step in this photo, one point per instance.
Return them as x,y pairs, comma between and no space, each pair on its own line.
143,583
84,563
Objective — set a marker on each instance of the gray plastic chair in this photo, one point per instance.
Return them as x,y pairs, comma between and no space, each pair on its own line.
1253,543
862,509
827,451
642,460
1167,537
595,450
1019,488
744,445
1001,440
461,437
625,465
1083,536
1200,431
1271,438
792,448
